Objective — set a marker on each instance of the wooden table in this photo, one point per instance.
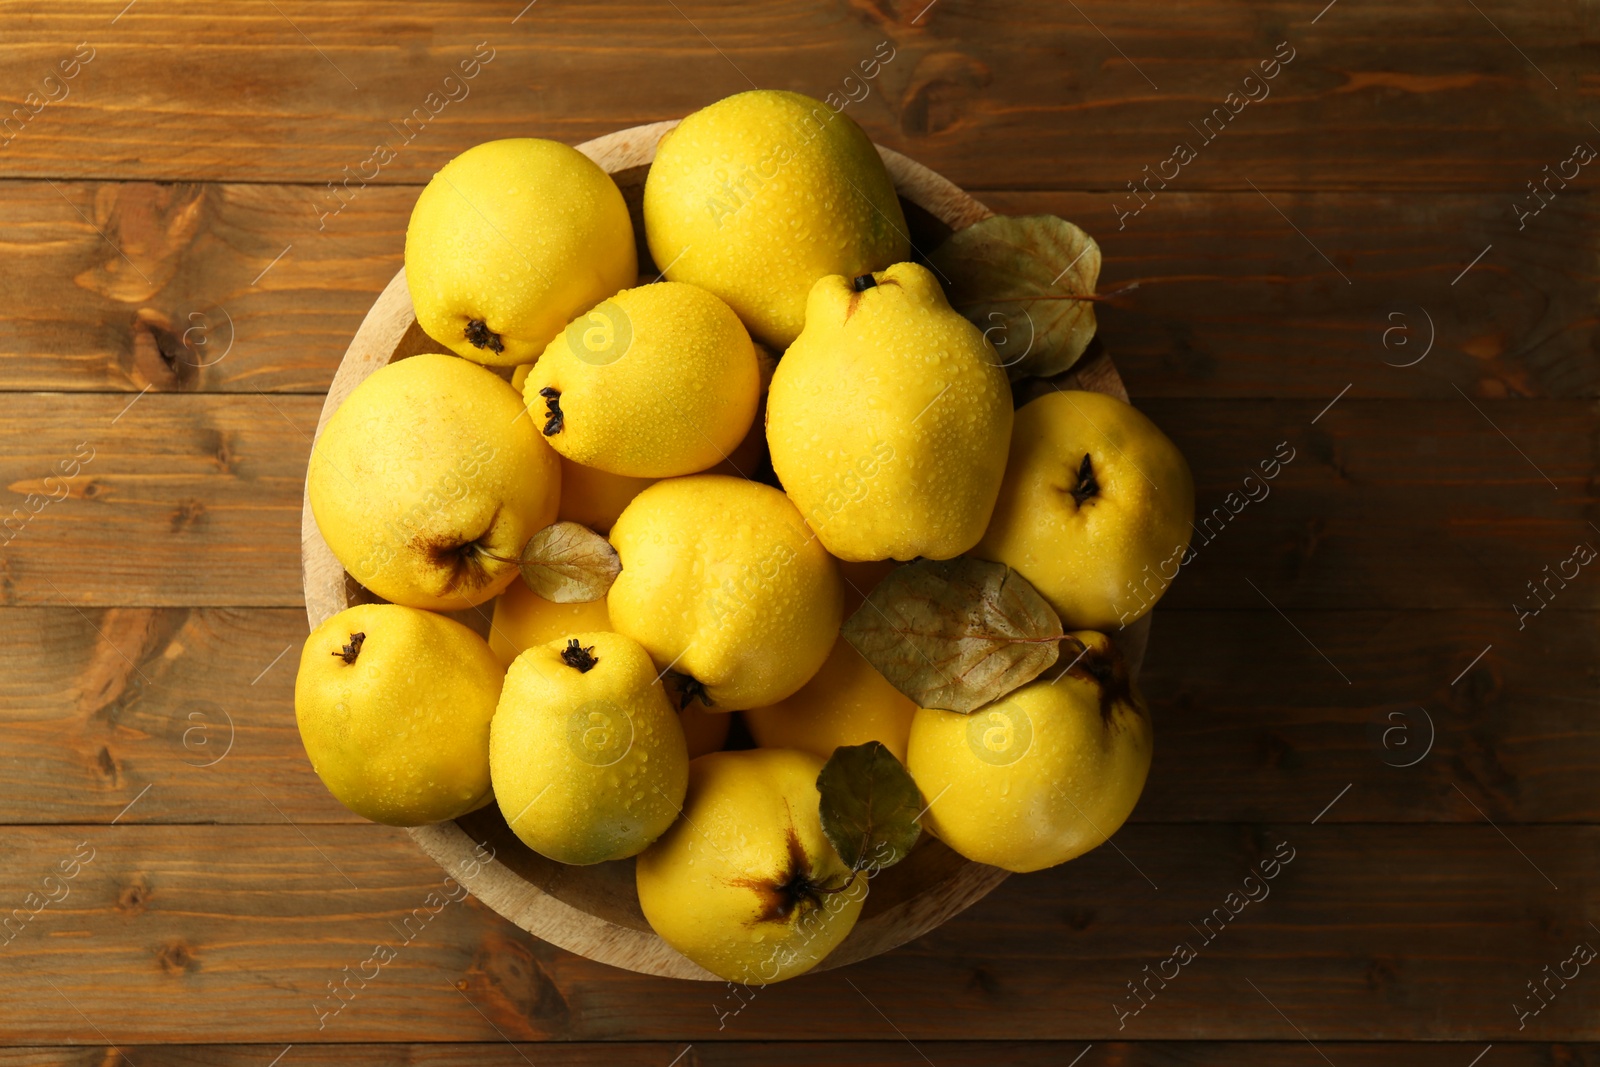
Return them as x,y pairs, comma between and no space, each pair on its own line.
1340,272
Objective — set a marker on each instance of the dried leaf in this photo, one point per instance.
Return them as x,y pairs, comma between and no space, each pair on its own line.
1022,280
955,634
568,563
869,807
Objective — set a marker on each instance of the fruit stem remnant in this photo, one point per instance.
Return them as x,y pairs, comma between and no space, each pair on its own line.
349,652
480,336
552,405
794,889
1087,485
1107,670
580,659
862,282
685,690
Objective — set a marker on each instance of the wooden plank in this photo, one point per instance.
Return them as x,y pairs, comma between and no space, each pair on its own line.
1382,570
132,285
891,1052
187,716
1046,96
155,715
1374,933
1416,505
1247,713
1436,505
208,489
1231,301
1223,283
176,501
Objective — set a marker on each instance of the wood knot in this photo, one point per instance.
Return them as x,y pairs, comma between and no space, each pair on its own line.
986,981
506,983
1381,972
157,355
224,453
141,233
132,898
188,514
940,92
1278,754
175,957
887,13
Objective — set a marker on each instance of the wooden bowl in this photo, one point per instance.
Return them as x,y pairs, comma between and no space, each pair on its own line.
594,910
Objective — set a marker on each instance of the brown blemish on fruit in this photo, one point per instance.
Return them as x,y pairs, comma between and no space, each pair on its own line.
480,336
579,659
350,651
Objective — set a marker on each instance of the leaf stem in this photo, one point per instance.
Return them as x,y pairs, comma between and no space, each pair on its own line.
828,890
994,638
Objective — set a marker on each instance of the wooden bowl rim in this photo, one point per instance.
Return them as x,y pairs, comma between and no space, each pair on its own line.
491,881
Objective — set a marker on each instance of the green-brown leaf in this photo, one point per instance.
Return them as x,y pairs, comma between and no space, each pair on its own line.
956,634
1021,280
869,806
568,563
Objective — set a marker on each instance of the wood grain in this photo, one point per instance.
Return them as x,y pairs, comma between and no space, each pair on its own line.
1448,514
190,286
1390,311
1415,96
185,714
1269,319
1371,933
888,1052
173,198
183,502
1250,724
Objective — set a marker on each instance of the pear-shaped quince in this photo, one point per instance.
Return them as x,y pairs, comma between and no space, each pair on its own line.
889,418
